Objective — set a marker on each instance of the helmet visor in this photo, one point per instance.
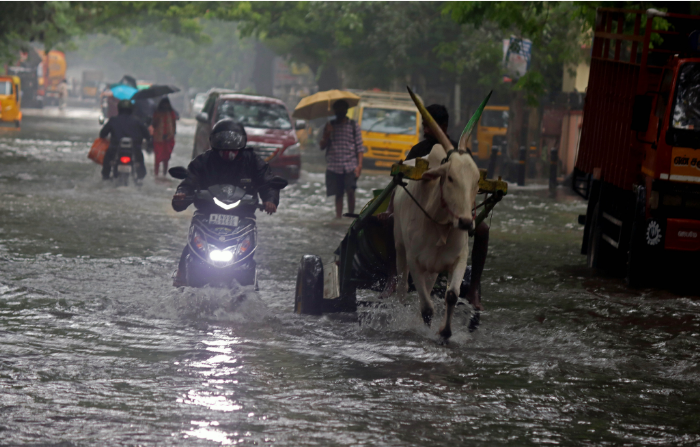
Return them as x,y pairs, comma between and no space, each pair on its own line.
228,141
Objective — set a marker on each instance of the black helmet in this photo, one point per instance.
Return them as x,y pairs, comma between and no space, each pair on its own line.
125,106
227,135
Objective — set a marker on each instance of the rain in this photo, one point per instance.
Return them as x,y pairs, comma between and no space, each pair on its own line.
202,203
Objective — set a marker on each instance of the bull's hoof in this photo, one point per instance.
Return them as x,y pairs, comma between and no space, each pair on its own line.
445,333
427,317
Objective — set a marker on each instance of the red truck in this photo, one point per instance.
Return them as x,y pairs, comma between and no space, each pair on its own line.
638,162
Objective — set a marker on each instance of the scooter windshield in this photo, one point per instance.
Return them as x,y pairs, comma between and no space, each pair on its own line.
227,194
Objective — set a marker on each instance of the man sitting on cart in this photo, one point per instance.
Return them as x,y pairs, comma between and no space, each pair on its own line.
481,232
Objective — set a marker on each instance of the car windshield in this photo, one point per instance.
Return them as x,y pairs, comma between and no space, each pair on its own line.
494,118
401,122
255,114
5,88
686,109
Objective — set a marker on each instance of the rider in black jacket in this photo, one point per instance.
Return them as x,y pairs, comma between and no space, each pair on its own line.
228,162
118,127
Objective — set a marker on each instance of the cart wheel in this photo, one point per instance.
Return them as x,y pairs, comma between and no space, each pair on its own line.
309,292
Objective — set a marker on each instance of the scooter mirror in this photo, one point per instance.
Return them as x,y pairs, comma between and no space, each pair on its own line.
278,182
178,172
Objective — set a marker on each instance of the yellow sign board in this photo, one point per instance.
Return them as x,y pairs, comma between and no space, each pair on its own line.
685,165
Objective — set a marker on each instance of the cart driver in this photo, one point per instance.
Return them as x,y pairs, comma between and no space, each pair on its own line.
481,232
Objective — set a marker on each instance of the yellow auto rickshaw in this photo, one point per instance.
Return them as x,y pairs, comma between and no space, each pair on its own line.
10,100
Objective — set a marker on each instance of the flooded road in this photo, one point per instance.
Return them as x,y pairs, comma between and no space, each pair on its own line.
99,348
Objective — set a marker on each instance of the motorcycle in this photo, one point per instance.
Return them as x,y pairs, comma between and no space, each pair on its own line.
125,164
223,235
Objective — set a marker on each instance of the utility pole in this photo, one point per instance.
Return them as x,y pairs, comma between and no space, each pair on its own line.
458,108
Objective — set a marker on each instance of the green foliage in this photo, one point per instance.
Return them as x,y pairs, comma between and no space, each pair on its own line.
557,31
53,23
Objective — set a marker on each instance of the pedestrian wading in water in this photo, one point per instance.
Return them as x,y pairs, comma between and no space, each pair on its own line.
342,141
164,128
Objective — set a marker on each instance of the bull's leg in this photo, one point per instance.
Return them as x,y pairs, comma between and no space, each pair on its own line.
422,282
401,272
455,280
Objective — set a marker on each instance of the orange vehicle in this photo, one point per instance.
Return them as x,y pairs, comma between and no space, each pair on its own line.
53,69
10,100
638,162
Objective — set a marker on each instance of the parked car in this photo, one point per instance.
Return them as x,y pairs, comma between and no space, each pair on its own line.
270,129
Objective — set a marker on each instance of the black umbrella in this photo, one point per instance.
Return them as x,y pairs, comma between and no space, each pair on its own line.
154,91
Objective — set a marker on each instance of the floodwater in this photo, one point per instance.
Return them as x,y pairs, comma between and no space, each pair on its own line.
98,348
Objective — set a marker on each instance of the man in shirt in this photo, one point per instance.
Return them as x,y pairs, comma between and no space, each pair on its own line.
342,141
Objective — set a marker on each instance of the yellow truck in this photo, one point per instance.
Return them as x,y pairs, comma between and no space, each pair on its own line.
490,131
390,125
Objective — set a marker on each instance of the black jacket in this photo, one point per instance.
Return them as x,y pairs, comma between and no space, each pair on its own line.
121,126
247,171
423,148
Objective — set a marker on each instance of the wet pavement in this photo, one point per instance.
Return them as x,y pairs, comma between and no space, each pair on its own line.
99,348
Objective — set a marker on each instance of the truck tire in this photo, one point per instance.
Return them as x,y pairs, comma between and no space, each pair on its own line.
308,298
594,239
638,272
639,258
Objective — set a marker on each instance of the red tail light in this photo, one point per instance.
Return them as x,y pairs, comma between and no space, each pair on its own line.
125,160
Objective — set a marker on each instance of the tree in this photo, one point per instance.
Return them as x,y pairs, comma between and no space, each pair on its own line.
52,23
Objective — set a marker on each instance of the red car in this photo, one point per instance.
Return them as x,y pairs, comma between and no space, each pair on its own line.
267,122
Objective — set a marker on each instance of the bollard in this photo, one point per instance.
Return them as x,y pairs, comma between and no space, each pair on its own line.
521,166
492,162
553,164
532,161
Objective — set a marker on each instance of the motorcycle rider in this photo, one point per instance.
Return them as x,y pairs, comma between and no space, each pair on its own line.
229,162
121,126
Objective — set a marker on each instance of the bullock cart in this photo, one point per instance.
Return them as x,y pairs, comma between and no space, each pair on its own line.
362,259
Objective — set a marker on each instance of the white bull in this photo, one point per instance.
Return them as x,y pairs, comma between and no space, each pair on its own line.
427,246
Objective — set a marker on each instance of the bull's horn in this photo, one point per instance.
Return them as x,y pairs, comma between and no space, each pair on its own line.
469,128
430,122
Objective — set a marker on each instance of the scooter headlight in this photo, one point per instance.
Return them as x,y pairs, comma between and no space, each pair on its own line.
221,255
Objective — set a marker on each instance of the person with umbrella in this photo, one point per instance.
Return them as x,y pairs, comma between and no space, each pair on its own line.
342,141
164,128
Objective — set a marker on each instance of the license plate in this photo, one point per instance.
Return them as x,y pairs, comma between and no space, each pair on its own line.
224,220
124,169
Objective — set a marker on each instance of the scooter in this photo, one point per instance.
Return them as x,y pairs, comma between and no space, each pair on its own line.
125,164
223,235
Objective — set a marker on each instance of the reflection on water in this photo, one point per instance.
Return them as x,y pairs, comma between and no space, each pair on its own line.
98,348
